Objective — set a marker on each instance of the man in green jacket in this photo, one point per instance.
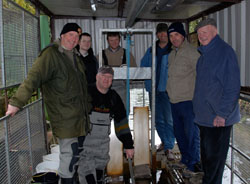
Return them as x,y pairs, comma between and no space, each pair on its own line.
61,74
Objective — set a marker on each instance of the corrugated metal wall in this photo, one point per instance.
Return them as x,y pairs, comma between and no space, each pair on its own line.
140,41
233,25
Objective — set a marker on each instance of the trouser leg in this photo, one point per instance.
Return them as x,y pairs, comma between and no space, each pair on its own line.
186,133
69,156
90,178
214,149
94,156
163,119
100,176
192,134
179,132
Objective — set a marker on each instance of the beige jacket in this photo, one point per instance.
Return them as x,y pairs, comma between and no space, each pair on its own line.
182,72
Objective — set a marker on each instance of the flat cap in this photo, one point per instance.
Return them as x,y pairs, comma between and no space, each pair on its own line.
106,69
205,22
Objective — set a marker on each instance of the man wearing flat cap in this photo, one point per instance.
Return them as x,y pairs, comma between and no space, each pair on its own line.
106,105
61,74
163,115
180,88
215,101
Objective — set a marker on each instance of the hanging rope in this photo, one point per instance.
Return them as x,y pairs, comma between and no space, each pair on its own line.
128,66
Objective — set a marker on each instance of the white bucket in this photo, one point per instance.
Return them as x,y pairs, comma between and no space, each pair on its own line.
47,166
51,157
54,148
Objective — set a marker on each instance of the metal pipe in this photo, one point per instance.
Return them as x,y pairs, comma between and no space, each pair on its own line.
29,138
131,170
137,7
100,47
2,45
128,66
7,151
232,157
24,48
153,94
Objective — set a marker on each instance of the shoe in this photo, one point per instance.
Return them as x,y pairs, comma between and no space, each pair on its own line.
186,173
160,148
170,155
195,180
67,180
178,165
198,167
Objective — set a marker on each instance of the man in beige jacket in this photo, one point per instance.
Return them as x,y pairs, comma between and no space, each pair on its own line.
180,88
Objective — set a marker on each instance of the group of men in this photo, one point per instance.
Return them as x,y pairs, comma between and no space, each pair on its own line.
197,95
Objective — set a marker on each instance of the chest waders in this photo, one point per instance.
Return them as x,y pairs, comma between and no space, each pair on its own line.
95,154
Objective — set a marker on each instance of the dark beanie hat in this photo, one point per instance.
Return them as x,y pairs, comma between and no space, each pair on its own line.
161,27
70,27
177,27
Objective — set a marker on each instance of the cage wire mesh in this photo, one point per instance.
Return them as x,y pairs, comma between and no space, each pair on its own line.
241,141
21,43
22,137
25,145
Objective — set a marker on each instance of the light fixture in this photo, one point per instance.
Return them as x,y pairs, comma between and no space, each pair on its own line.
93,5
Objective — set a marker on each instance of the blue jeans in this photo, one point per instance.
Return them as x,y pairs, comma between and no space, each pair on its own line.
214,148
186,133
163,119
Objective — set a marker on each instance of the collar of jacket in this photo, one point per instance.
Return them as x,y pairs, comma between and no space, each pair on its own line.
184,43
118,48
157,45
61,49
206,48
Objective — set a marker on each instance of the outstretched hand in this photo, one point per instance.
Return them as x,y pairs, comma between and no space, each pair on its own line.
12,110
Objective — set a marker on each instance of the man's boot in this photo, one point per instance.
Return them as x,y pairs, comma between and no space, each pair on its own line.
67,181
90,179
99,176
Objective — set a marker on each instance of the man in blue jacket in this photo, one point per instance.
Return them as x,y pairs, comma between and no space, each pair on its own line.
163,115
215,99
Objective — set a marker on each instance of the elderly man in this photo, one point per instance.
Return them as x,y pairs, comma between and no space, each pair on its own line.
180,88
163,114
107,105
61,74
215,99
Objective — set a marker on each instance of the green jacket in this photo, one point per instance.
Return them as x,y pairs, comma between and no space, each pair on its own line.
64,90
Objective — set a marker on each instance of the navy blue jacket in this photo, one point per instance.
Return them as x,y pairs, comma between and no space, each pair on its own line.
217,86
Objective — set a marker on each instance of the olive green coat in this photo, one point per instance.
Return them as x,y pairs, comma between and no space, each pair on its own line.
64,91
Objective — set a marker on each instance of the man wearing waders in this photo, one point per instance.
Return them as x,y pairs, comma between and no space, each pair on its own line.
107,105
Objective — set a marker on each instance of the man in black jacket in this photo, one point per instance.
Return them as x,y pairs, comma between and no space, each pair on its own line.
107,105
88,57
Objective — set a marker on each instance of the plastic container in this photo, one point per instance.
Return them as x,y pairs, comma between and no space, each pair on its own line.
54,148
51,157
47,166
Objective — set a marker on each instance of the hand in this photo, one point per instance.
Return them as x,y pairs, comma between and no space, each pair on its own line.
12,110
129,153
219,121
